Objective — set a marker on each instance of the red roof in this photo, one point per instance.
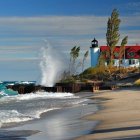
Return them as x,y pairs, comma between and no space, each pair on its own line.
130,51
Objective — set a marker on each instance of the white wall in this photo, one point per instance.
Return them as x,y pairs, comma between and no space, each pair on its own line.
125,63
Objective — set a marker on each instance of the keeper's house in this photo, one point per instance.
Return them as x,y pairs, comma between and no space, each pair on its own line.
131,57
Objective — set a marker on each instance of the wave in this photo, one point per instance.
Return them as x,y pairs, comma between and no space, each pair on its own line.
38,95
45,95
7,92
21,108
12,116
9,117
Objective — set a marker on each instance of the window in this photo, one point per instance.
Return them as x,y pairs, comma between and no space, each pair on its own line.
116,54
131,61
121,61
136,61
131,54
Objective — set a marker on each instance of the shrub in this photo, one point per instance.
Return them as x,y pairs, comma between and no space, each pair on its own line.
96,73
137,82
69,79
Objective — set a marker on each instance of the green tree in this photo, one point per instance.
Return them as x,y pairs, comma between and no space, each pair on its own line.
122,49
102,58
74,54
83,61
112,35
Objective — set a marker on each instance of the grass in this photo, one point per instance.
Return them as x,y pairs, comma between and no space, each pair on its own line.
108,73
101,73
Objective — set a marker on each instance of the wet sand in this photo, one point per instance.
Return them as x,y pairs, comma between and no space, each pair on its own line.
16,135
63,124
119,118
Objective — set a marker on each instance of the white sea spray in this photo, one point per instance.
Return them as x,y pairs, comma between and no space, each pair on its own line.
52,64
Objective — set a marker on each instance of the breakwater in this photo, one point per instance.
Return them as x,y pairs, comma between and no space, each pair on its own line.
62,87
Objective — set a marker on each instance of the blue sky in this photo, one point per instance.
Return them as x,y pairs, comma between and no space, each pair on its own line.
66,7
24,24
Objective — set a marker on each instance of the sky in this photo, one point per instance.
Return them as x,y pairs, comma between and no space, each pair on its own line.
25,24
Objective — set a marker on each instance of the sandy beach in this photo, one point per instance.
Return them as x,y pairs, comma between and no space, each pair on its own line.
119,117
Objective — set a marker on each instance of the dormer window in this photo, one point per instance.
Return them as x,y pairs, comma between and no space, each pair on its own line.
131,54
116,54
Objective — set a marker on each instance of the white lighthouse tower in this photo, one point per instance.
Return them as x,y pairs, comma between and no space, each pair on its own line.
94,52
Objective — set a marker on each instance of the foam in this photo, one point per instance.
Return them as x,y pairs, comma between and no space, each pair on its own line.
37,113
32,110
3,93
13,116
37,95
45,95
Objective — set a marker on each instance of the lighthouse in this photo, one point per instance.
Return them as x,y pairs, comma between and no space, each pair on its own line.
94,52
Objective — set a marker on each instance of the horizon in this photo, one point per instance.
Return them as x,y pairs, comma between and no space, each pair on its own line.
26,24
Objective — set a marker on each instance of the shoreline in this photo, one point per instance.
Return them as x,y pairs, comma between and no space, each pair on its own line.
65,122
119,115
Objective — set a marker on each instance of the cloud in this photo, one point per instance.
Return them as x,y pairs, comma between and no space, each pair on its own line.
33,59
132,8
133,4
52,25
31,29
26,34
130,21
18,49
22,37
